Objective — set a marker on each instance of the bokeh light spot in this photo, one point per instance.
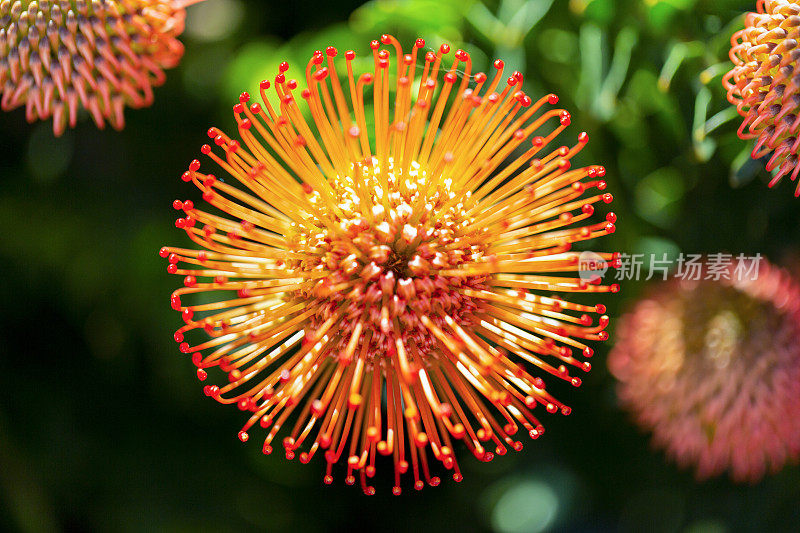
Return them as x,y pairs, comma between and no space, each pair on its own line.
657,253
658,196
214,20
527,506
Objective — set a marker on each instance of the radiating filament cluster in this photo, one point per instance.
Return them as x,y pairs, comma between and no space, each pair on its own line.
384,278
57,56
765,85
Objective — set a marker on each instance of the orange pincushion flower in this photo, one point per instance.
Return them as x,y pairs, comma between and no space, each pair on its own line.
102,55
765,86
391,297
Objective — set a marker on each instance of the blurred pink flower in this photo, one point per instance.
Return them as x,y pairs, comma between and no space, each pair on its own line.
712,368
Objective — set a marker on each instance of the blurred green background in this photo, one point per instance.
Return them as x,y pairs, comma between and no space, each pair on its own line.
103,425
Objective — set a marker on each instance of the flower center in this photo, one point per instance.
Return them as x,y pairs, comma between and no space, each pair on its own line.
392,263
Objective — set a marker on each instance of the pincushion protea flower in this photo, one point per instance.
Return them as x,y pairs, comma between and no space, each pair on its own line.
713,369
384,290
765,86
102,55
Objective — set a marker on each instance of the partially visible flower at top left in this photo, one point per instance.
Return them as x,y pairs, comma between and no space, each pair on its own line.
101,55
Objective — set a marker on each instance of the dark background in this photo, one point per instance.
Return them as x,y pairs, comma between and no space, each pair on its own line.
103,425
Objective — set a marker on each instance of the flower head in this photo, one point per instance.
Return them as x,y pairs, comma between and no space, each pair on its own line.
712,368
765,86
381,281
101,55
